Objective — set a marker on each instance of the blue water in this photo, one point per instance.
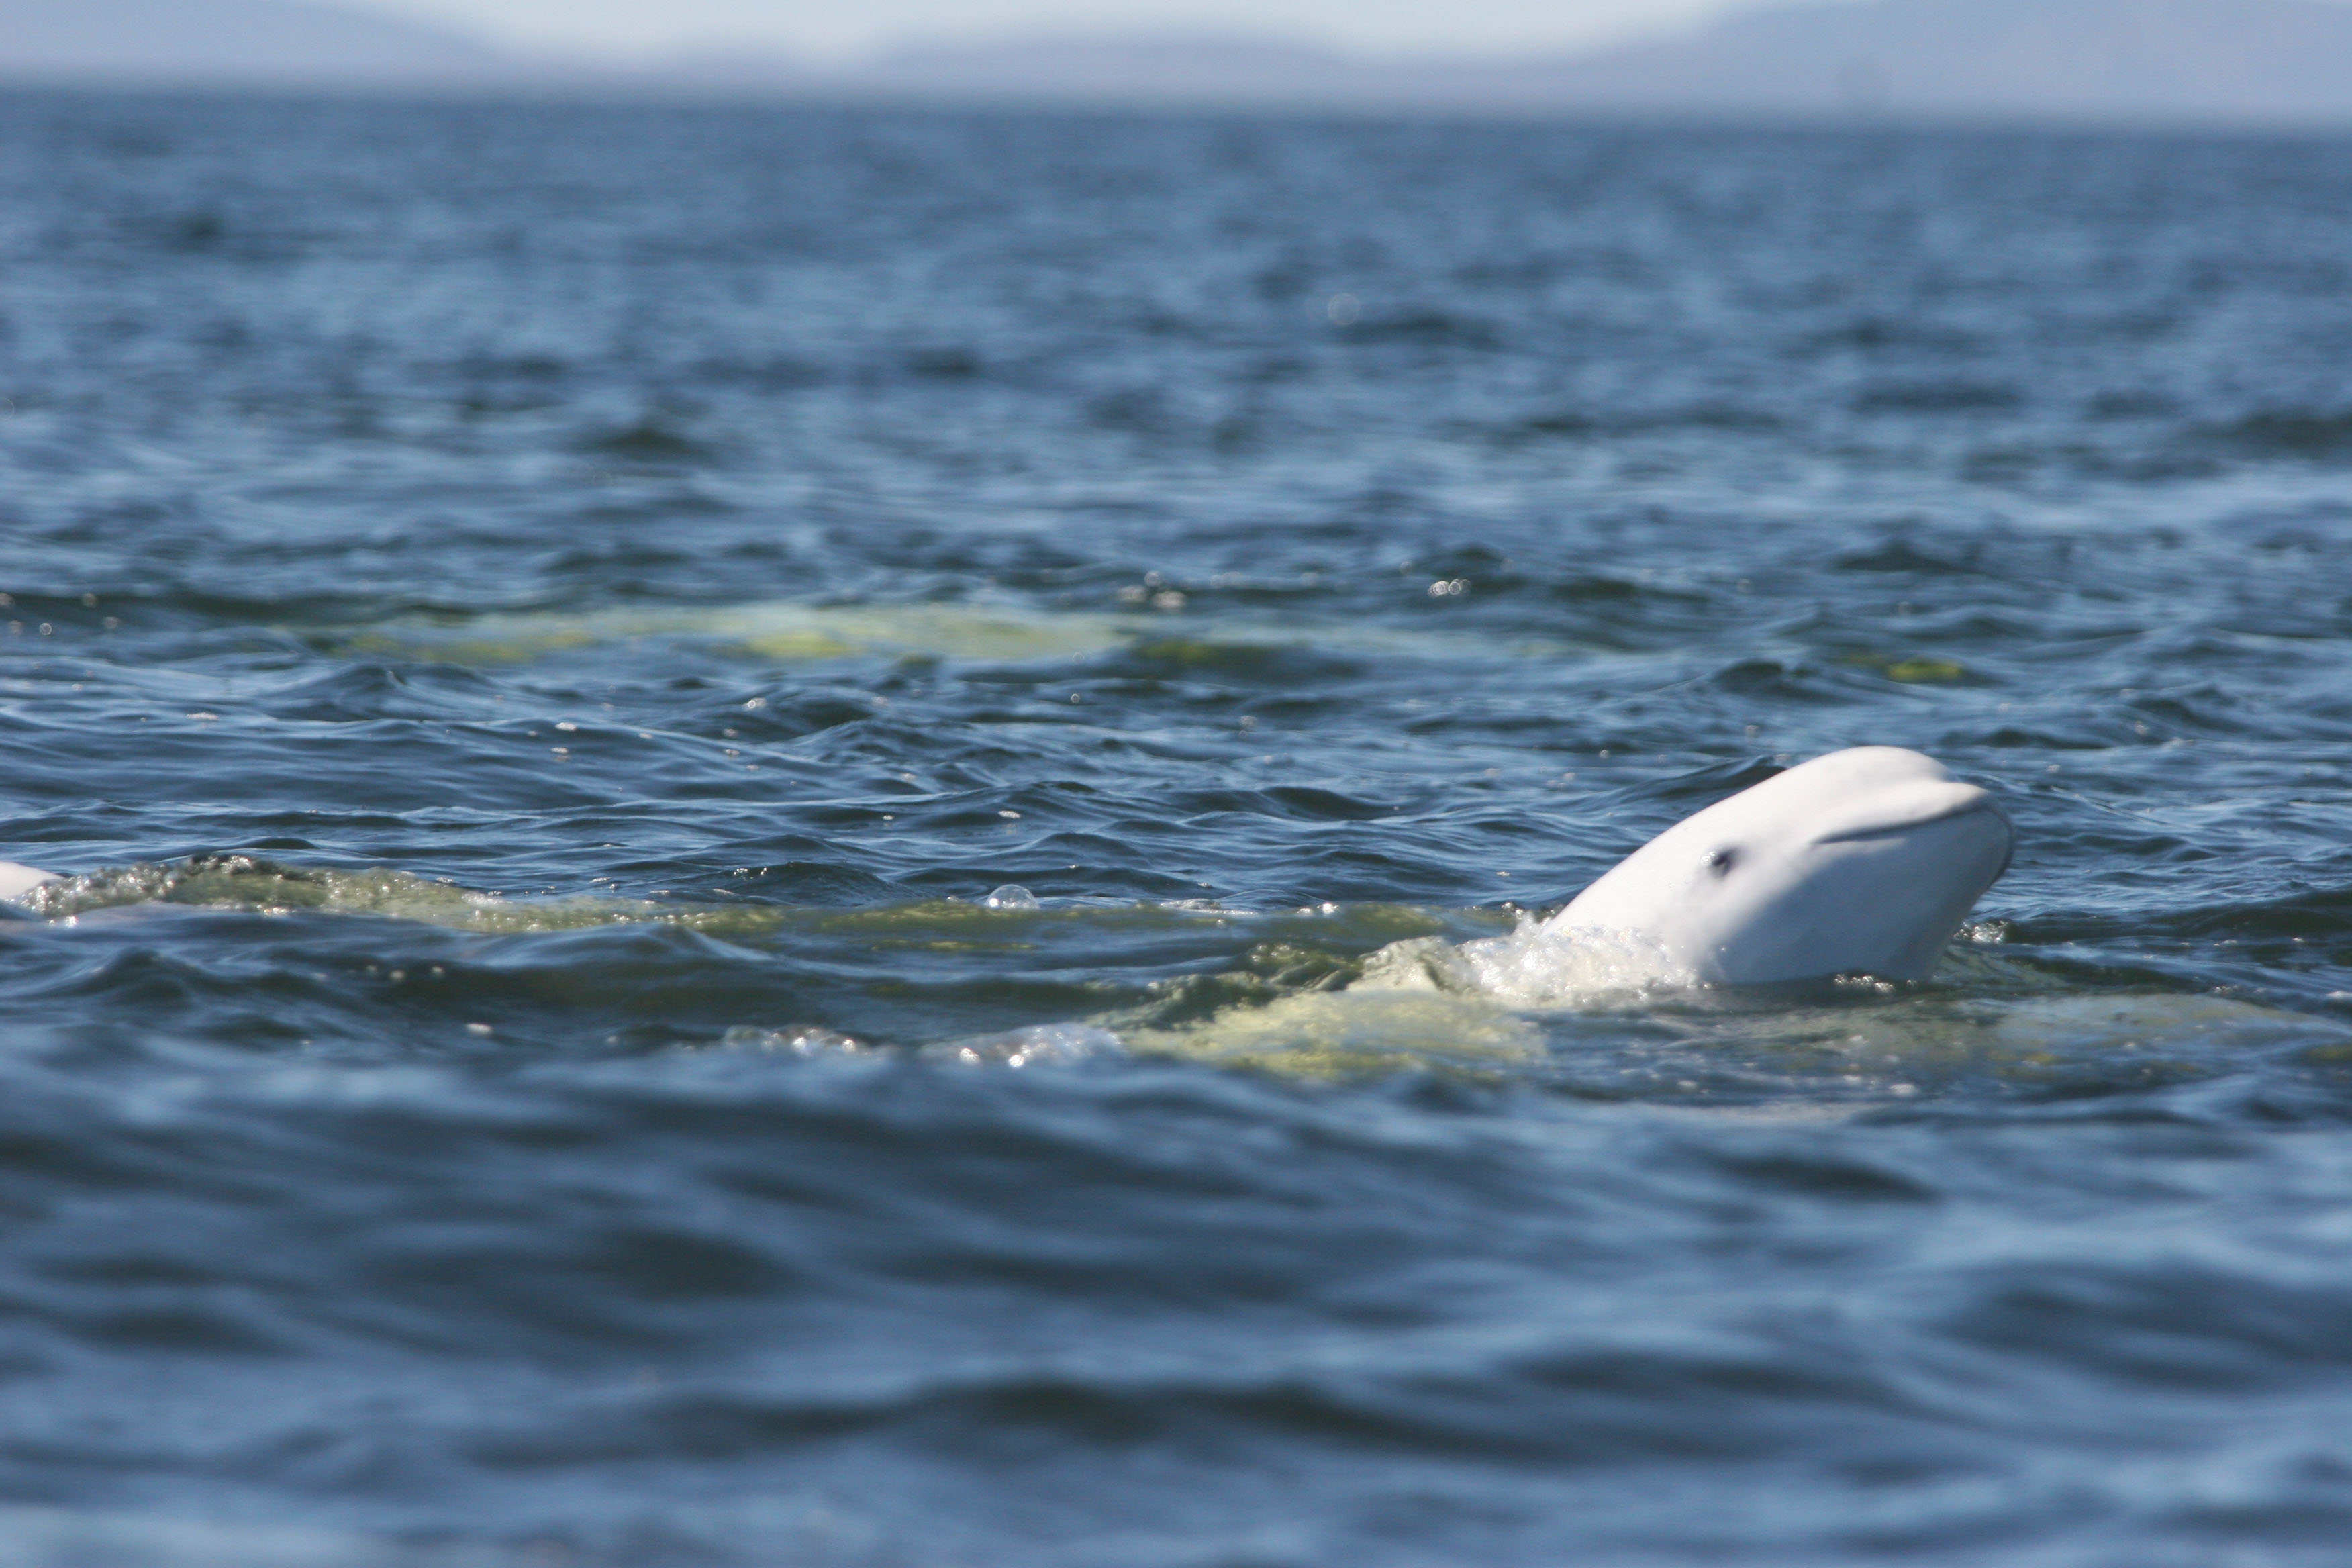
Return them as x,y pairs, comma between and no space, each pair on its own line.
731,778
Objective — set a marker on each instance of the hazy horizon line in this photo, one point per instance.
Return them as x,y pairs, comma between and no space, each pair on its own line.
2284,62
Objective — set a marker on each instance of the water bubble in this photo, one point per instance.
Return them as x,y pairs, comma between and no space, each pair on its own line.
1344,310
804,1040
1011,896
1059,1044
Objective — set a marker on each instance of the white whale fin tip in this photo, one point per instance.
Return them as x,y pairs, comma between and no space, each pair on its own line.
15,880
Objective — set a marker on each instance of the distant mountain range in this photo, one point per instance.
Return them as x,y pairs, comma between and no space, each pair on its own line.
231,40
2106,59
2131,60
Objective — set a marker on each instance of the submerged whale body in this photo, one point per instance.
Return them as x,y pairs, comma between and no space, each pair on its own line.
1861,862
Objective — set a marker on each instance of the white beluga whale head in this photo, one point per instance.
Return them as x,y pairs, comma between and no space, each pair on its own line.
1861,862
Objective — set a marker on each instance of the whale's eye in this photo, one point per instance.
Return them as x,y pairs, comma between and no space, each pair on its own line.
1722,861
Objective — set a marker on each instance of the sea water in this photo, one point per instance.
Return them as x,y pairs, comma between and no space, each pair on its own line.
804,836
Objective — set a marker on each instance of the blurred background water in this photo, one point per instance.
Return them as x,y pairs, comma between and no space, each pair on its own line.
724,770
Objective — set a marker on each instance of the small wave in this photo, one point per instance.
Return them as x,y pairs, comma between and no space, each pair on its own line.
262,887
2288,433
649,440
1039,1045
74,1535
1938,397
1057,1044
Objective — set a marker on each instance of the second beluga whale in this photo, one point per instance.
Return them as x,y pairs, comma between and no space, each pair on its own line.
1860,862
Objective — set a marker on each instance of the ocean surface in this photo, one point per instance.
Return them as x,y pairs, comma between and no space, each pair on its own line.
735,780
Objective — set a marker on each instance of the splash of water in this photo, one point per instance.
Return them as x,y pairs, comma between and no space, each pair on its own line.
264,886
1536,967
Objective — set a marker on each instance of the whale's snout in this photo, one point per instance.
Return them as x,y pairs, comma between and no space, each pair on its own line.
1961,831
1913,808
1917,860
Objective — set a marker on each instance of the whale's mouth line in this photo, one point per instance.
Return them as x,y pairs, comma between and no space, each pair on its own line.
1982,804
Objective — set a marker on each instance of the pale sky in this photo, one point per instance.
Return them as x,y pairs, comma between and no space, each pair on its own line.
838,27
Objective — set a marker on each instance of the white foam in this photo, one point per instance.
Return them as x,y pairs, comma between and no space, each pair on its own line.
1537,966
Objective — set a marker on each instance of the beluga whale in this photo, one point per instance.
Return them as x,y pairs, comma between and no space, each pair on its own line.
1860,862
